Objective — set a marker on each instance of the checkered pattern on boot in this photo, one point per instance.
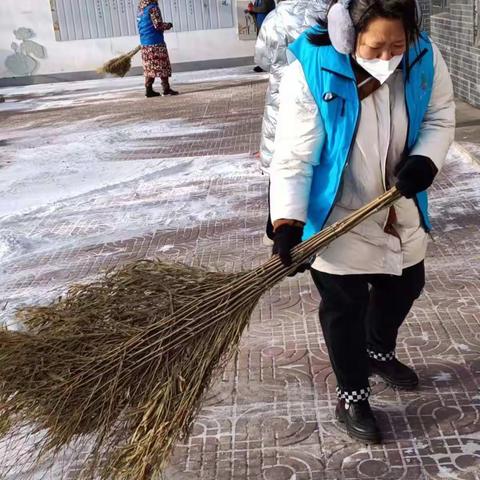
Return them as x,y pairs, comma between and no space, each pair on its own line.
353,396
381,357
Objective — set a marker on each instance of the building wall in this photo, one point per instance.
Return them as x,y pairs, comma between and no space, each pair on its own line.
87,55
426,12
455,30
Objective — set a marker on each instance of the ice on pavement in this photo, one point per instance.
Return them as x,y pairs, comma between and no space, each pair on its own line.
68,179
72,185
68,94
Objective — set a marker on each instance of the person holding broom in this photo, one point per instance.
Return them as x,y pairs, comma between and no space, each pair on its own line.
156,62
366,105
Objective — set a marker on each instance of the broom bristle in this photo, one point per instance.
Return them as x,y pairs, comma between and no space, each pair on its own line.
123,362
118,368
120,65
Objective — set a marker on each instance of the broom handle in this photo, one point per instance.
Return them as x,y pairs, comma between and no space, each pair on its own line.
305,250
133,52
274,270
130,54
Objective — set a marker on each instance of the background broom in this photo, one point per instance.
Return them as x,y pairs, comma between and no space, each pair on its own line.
117,369
121,65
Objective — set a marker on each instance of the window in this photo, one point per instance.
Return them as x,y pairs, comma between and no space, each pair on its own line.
84,19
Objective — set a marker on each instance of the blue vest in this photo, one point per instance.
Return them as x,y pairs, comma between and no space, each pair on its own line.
331,80
260,18
149,35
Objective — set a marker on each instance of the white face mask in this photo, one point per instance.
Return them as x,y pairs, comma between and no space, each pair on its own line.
380,69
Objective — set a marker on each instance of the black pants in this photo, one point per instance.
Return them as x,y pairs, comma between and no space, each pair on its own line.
360,312
269,226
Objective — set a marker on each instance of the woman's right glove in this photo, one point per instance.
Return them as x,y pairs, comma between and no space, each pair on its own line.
286,237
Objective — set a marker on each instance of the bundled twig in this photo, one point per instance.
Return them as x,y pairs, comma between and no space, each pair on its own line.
118,368
121,65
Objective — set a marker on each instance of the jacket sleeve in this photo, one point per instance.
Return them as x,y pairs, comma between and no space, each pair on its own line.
298,142
157,20
264,53
438,127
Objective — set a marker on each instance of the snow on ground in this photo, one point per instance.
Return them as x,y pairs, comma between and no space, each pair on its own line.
69,176
69,185
465,186
69,94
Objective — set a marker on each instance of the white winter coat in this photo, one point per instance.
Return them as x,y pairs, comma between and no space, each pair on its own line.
376,152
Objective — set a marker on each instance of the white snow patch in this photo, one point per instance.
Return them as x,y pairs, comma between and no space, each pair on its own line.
471,448
64,101
244,73
421,445
442,377
462,347
418,445
465,186
445,472
472,148
356,456
51,95
52,164
95,181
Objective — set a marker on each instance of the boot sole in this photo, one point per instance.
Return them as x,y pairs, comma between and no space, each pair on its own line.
369,439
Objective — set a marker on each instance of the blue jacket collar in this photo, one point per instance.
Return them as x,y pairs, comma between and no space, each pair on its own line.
339,64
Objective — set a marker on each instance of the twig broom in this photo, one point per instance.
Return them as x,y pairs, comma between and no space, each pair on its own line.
118,368
121,65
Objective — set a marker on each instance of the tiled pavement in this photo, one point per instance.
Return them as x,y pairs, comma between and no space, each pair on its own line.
270,416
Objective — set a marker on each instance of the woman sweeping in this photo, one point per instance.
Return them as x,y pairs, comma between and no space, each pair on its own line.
156,62
367,104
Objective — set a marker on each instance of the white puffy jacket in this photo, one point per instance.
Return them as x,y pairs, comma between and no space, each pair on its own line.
281,27
376,152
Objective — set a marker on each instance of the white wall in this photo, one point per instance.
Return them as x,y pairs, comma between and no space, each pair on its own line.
87,55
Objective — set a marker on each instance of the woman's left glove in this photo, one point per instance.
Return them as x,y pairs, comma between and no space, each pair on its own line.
415,174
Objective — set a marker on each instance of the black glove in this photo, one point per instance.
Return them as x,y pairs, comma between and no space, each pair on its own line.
169,26
415,174
285,238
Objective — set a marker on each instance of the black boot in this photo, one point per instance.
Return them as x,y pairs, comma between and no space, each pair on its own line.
150,92
169,91
359,421
166,87
394,373
258,69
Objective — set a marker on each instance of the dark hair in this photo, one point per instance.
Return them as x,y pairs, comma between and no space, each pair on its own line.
363,12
